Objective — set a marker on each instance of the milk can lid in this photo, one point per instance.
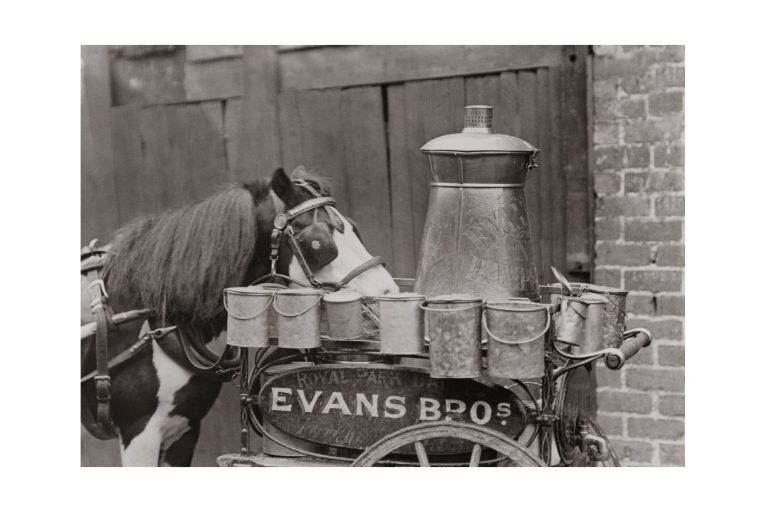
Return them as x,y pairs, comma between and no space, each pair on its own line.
454,298
478,136
342,296
300,291
401,296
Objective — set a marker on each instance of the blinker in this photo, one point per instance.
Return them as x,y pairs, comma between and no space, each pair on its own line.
317,245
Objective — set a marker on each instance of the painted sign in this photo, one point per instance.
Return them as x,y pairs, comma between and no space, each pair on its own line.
354,406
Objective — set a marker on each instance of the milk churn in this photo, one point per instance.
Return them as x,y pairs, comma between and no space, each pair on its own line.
477,237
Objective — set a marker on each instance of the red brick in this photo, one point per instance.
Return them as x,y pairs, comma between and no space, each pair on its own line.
612,253
670,205
620,66
642,358
612,425
661,328
632,108
668,155
639,230
672,405
653,130
624,401
607,228
650,428
607,50
650,379
665,103
615,206
607,183
630,452
605,93
654,181
668,255
669,76
656,80
608,277
606,133
608,157
671,304
672,454
608,378
643,305
622,157
637,156
671,355
654,280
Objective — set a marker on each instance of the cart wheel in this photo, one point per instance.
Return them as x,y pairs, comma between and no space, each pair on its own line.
574,401
510,451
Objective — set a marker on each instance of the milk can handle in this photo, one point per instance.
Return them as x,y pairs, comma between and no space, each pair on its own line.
286,315
269,303
508,342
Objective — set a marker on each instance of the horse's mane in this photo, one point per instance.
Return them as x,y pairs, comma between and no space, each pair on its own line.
177,263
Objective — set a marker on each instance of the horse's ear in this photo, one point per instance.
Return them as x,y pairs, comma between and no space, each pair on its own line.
281,185
299,172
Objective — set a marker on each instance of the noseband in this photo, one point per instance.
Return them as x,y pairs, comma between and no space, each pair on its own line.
282,227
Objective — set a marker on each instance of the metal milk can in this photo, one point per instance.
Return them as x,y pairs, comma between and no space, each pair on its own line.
477,237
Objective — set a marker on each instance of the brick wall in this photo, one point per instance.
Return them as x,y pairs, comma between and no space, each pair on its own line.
639,234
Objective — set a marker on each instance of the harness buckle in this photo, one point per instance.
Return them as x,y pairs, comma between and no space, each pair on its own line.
103,388
281,220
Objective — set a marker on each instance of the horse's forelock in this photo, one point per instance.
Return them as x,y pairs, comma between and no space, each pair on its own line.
177,263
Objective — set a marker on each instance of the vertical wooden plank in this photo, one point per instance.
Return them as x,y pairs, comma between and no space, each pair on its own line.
311,128
404,245
365,166
252,123
573,103
433,108
99,215
529,132
196,148
545,174
482,90
128,151
559,206
155,179
507,114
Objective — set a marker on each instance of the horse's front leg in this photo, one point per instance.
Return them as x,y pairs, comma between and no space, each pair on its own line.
149,437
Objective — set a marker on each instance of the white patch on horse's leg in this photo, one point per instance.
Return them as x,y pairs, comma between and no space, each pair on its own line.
162,429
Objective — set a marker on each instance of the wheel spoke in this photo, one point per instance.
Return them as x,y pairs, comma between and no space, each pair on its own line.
421,453
474,461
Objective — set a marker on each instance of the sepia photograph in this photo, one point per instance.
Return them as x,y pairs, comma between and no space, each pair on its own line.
382,255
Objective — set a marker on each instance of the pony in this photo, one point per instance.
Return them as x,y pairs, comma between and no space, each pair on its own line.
176,265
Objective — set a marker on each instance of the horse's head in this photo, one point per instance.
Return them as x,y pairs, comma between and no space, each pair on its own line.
320,243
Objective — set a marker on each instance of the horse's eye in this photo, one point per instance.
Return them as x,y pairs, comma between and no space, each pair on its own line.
315,244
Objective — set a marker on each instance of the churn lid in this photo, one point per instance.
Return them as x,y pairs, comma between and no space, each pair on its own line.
401,296
455,298
478,136
342,296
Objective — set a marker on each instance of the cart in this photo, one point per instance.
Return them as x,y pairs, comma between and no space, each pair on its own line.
346,403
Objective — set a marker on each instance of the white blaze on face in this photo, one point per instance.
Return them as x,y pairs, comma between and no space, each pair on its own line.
352,254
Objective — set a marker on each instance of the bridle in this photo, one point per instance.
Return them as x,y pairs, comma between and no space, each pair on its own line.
282,227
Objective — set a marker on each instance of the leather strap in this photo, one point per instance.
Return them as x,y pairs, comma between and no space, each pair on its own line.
102,314
308,205
143,342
